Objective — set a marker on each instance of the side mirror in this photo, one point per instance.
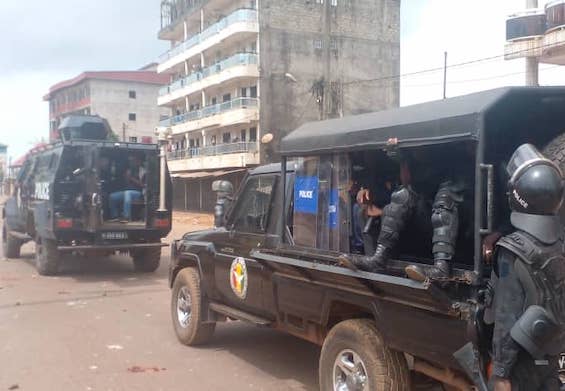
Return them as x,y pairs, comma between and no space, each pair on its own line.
224,190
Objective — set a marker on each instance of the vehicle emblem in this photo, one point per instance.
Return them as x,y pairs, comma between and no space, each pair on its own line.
238,277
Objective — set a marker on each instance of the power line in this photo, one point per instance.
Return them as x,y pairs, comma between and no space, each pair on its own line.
437,69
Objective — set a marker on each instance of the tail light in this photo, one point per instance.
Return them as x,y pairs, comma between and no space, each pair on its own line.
162,223
64,223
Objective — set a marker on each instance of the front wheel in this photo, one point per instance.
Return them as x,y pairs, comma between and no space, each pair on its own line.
46,256
11,245
354,358
187,309
147,260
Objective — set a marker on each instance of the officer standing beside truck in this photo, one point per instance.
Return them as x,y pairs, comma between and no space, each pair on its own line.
529,303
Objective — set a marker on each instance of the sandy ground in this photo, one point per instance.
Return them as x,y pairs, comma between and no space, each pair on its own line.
101,326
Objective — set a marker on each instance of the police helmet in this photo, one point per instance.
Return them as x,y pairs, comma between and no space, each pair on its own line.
536,183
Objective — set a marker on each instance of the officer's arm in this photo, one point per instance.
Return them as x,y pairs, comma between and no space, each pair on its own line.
509,306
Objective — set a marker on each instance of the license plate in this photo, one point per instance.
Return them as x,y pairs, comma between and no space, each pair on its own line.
114,235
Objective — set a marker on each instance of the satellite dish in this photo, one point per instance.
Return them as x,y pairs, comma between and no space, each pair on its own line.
267,138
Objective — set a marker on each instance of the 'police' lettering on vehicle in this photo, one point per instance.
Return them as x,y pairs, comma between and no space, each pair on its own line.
42,191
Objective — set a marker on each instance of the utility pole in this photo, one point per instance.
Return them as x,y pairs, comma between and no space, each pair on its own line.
444,75
532,63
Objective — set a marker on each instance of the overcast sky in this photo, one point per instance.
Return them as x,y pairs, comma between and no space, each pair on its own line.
44,42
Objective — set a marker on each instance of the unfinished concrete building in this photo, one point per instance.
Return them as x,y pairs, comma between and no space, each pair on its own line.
244,69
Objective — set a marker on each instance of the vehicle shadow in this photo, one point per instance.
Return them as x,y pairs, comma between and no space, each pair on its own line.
283,356
117,268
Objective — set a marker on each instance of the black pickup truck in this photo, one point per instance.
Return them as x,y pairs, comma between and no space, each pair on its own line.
276,257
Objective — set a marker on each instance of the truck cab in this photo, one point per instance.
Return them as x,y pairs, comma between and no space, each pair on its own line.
281,254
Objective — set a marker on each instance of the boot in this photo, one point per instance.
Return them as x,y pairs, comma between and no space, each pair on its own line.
441,269
374,263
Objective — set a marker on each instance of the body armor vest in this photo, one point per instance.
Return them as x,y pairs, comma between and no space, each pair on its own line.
541,270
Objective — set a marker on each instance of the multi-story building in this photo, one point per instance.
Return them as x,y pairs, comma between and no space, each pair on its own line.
246,71
538,35
3,166
127,99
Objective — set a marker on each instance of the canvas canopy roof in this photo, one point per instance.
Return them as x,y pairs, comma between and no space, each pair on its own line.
462,117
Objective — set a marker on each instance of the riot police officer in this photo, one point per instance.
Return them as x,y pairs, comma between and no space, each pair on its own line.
410,206
529,301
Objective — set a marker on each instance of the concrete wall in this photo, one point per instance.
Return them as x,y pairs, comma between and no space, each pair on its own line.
110,99
355,40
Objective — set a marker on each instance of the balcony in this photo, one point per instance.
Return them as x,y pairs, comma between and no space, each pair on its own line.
212,150
240,21
235,111
173,12
240,154
239,65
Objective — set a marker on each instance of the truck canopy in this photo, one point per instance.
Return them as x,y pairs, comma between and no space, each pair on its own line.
465,117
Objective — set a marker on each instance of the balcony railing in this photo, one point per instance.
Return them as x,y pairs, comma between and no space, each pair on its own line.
241,15
233,61
172,11
210,110
212,150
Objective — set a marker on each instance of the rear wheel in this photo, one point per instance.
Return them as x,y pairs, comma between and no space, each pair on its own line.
11,245
187,309
355,358
147,260
555,150
46,256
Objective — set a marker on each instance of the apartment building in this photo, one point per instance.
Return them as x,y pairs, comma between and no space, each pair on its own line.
538,35
127,99
246,71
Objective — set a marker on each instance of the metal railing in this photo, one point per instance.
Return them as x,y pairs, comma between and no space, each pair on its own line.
240,15
230,62
173,11
210,110
212,150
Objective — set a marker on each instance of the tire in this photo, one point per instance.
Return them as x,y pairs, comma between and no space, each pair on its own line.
555,150
11,246
147,260
190,331
46,257
357,342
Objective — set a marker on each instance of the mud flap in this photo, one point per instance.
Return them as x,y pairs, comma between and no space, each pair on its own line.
469,359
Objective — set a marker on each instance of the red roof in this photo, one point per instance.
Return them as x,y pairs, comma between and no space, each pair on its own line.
20,161
148,77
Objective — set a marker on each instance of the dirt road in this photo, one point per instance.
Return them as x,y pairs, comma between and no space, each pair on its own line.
100,326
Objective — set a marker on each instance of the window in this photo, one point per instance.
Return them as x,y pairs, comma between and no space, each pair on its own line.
133,139
242,135
226,137
244,92
251,214
214,100
318,44
226,97
132,94
253,134
132,116
253,91
333,44
213,140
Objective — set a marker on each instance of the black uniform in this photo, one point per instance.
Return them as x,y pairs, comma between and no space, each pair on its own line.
410,208
510,360
529,301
